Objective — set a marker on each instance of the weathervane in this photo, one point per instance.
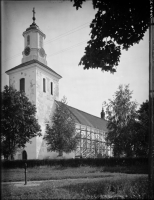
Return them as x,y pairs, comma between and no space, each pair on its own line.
33,16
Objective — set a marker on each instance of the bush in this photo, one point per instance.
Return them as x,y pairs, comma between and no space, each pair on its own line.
98,162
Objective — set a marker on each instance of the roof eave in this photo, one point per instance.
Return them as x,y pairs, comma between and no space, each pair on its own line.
31,62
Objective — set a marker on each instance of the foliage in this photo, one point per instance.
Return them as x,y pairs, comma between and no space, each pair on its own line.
97,162
121,115
141,130
117,25
61,131
128,127
18,122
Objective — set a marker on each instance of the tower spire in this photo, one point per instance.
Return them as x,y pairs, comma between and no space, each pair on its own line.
33,15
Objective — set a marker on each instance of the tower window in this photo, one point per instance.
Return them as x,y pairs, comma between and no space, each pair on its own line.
22,85
28,40
51,88
44,85
41,41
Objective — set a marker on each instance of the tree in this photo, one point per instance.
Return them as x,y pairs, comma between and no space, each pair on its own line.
141,127
18,122
121,115
118,24
60,131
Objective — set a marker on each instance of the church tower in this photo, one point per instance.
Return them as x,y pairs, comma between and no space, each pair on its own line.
40,84
34,43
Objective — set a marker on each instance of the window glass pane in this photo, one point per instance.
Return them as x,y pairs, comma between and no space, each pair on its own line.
51,88
44,87
28,40
22,85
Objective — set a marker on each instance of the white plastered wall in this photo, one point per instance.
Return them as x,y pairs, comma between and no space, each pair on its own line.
29,73
44,104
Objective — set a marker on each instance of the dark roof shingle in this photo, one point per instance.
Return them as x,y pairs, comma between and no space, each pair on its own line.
88,119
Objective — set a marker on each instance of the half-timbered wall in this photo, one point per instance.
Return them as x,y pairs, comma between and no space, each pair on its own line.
91,143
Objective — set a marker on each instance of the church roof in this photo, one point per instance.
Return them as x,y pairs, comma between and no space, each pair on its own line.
87,119
34,26
31,62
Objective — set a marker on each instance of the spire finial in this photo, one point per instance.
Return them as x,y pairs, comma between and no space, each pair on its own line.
33,15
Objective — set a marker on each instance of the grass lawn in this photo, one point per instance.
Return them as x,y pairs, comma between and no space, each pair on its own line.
57,172
96,184
52,173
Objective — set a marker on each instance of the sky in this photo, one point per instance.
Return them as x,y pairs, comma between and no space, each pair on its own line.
67,32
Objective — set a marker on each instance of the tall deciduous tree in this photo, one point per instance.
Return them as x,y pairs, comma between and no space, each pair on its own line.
18,122
121,115
60,131
141,130
117,25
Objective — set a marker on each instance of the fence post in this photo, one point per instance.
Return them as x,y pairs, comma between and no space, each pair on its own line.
25,173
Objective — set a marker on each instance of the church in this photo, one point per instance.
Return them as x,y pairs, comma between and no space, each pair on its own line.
41,85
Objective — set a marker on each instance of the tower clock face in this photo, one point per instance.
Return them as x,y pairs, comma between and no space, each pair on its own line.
27,51
42,52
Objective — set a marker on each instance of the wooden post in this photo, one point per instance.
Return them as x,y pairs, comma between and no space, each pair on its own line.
80,142
25,174
151,107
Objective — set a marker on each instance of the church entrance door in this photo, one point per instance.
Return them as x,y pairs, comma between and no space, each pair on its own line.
24,155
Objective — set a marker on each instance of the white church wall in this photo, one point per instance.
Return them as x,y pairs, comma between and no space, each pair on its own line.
30,81
29,74
30,148
33,39
69,155
45,107
44,102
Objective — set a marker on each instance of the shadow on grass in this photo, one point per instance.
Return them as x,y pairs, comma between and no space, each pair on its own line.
114,189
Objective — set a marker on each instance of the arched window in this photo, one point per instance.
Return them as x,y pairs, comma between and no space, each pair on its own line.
51,88
22,85
28,40
44,85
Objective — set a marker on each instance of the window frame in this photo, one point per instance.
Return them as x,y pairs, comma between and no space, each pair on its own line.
44,85
22,87
51,88
28,39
